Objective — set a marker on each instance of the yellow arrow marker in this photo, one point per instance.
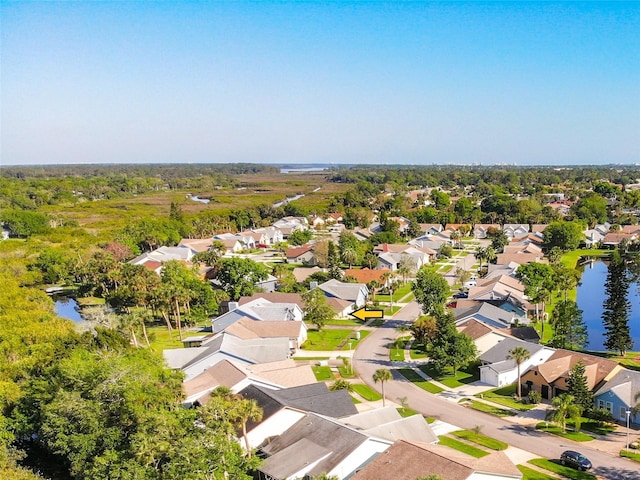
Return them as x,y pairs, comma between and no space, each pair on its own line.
363,314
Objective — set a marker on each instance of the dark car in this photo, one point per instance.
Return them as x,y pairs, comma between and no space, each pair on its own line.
461,295
575,460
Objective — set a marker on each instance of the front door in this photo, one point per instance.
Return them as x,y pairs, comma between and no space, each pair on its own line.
544,391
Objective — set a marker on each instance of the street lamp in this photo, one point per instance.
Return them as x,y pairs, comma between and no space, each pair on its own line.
628,415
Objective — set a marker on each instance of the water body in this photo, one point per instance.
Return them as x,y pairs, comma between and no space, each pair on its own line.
195,198
302,170
279,204
67,307
591,296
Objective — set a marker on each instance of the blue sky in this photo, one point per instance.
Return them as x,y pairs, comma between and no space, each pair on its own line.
331,82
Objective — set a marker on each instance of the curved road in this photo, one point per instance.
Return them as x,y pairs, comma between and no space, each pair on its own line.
373,353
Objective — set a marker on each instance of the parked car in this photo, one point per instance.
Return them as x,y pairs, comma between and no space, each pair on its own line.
575,460
461,295
453,304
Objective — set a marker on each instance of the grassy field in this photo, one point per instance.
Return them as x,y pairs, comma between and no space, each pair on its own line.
569,434
462,447
322,373
417,380
483,407
566,472
366,392
417,351
480,439
406,412
504,396
635,456
531,474
160,338
330,339
463,376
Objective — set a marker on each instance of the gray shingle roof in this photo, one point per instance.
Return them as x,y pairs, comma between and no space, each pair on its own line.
500,351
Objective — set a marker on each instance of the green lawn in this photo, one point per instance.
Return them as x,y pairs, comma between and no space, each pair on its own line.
483,407
302,359
567,472
417,380
391,311
322,373
406,412
396,354
346,372
504,396
593,426
330,339
160,339
417,351
462,447
462,377
635,456
481,439
344,322
569,434
531,474
366,392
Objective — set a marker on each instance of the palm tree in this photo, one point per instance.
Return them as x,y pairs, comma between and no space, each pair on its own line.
481,255
490,254
519,354
341,384
455,237
248,409
382,375
563,407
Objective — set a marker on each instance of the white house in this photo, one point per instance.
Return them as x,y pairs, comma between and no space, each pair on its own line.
499,370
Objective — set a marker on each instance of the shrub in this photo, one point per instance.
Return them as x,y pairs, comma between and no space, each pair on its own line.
535,397
599,414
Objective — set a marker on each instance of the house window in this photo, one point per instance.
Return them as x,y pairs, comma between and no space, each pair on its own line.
610,407
623,413
600,403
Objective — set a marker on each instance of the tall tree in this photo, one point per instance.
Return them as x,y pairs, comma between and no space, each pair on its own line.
247,409
615,316
431,290
563,235
382,375
569,330
578,387
316,310
519,355
239,276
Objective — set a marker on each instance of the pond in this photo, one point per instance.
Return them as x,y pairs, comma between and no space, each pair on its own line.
67,307
591,296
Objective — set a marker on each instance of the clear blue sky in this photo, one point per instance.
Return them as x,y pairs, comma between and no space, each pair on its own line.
341,82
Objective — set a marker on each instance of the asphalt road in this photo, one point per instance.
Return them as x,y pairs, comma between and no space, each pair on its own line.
373,353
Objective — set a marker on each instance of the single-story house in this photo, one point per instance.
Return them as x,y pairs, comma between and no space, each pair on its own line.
618,396
303,254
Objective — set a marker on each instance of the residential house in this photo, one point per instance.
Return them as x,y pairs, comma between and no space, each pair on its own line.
388,424
618,396
274,297
223,373
539,228
499,370
366,275
267,236
344,298
522,253
409,461
237,242
613,239
488,314
165,254
268,285
595,235
550,378
258,309
284,373
515,230
194,361
245,328
317,444
528,334
290,224
282,408
301,274
391,256
480,230
198,245
482,335
303,254
430,228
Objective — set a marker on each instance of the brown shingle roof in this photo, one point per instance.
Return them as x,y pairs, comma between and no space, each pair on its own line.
475,329
559,364
246,329
366,275
222,373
